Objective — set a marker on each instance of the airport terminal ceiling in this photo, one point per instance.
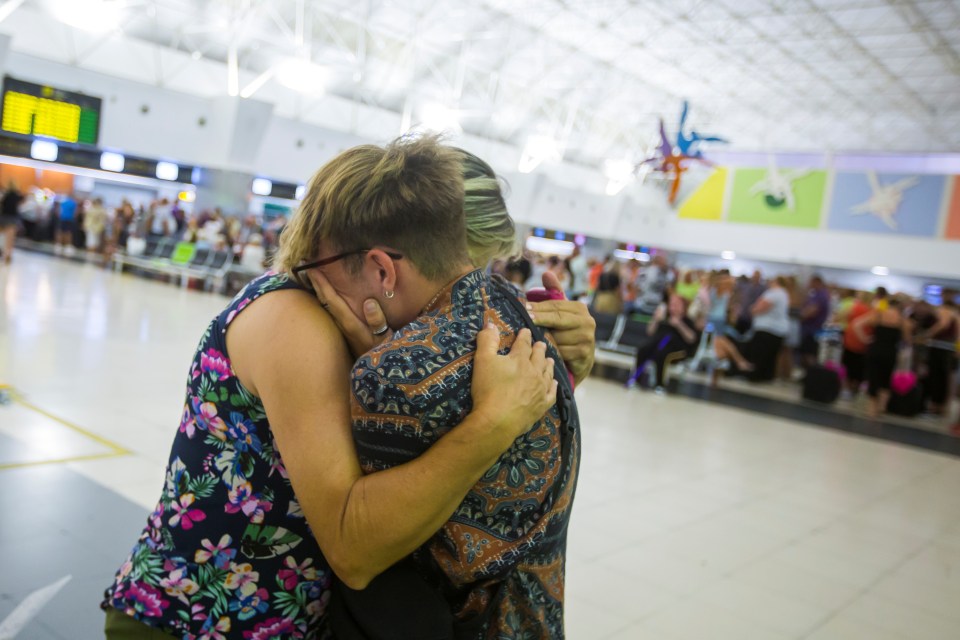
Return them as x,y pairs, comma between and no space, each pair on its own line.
593,76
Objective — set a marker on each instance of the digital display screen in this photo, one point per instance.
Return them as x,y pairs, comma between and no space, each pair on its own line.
36,110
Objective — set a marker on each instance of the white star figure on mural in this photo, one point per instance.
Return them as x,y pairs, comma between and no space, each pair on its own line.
777,186
885,199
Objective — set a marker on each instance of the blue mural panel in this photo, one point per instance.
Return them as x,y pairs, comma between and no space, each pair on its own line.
892,203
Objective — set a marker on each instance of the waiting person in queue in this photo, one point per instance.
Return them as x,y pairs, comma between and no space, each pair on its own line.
263,473
941,340
813,315
651,286
854,350
672,338
609,298
771,324
413,389
747,293
94,224
890,330
66,224
10,219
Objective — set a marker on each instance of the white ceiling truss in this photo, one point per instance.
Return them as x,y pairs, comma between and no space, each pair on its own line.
594,75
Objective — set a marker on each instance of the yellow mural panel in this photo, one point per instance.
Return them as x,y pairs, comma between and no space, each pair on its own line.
706,203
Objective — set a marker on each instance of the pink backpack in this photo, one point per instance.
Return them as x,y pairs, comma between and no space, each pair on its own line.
902,382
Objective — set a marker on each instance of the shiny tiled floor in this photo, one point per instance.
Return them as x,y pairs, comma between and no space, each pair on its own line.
692,521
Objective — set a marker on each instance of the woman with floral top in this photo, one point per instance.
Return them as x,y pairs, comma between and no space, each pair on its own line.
264,498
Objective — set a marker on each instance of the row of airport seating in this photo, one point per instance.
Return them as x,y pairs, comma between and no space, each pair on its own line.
624,334
182,260
619,332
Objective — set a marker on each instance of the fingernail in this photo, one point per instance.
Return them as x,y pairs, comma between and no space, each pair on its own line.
532,315
370,306
490,325
529,307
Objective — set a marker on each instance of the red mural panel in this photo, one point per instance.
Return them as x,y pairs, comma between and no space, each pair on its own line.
953,214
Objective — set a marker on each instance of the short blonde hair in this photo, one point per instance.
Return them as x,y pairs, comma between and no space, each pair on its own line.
491,233
407,196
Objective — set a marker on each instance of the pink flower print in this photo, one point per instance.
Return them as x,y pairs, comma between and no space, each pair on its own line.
211,631
125,569
216,364
276,462
197,612
240,575
291,574
188,424
207,419
240,307
221,554
144,600
185,516
271,629
243,499
156,518
178,586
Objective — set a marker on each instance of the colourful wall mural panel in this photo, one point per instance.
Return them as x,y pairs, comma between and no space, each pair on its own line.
783,198
886,203
706,203
953,213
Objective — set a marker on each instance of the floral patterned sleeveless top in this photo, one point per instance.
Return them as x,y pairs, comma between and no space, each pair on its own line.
227,552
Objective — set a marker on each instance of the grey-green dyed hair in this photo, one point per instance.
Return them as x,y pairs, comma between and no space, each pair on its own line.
491,233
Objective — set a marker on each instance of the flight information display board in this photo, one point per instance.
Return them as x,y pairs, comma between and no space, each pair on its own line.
37,110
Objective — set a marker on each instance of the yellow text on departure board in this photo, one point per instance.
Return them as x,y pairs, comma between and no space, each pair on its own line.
31,115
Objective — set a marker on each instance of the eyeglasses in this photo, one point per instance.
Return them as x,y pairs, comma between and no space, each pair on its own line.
339,256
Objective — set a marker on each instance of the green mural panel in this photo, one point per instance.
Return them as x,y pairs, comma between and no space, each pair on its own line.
787,198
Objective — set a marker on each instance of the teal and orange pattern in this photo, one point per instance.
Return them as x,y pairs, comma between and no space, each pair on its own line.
500,558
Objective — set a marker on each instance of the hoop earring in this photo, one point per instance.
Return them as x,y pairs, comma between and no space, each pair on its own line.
388,295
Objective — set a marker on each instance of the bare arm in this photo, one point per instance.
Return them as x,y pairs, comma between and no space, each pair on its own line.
944,317
364,524
861,323
761,307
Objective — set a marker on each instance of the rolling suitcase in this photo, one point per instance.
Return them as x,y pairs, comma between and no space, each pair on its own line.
822,384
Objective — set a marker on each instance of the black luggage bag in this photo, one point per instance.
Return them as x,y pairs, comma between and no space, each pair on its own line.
821,385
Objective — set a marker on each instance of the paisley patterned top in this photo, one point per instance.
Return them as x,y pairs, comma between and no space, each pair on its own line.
499,560
227,552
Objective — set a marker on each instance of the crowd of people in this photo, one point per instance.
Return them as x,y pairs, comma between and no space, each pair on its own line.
72,223
767,329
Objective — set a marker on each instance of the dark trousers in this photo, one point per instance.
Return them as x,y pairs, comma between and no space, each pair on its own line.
663,352
398,604
880,365
940,364
763,351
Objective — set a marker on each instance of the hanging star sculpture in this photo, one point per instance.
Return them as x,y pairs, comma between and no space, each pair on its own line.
671,161
885,199
689,143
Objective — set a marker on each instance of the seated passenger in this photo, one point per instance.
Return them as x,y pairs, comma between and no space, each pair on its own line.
673,338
